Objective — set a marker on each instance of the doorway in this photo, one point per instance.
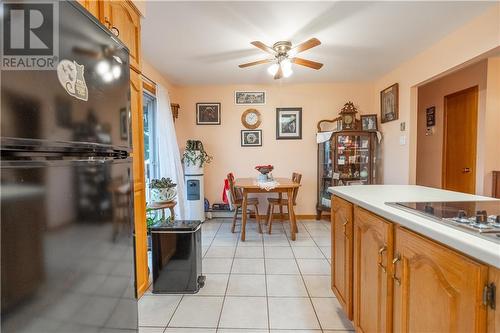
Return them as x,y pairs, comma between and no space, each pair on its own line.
460,141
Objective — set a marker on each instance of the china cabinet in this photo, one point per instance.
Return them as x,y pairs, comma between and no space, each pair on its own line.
347,158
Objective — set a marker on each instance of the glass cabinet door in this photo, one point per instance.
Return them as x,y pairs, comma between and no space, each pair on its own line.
325,171
352,159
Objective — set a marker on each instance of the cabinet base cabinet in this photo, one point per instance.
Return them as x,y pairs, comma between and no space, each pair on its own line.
342,251
372,272
494,314
435,288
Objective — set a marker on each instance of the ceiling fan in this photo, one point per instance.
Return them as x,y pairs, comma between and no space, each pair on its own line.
284,55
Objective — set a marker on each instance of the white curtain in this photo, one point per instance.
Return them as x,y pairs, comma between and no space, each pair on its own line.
169,159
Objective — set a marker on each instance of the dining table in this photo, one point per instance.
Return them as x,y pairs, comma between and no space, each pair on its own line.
282,185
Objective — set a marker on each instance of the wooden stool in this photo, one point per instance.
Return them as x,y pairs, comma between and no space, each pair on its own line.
164,205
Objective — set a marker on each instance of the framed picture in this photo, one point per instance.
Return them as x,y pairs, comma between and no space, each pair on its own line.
288,123
430,116
251,138
123,124
250,97
389,103
207,113
369,122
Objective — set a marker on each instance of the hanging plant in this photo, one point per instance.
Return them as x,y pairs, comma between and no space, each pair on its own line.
195,154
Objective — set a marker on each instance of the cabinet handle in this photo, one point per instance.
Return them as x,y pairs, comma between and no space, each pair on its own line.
114,30
380,252
344,225
394,262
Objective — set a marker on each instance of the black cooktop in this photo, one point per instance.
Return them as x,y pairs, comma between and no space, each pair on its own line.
481,218
450,209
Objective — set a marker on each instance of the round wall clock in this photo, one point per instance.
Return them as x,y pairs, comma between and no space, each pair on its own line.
251,119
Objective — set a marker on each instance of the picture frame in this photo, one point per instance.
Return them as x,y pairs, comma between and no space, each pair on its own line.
208,113
251,138
250,97
289,123
124,124
430,116
389,103
369,122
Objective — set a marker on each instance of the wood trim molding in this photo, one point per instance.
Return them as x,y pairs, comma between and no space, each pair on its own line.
148,85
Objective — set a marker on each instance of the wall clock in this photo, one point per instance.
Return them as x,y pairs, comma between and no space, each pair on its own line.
251,119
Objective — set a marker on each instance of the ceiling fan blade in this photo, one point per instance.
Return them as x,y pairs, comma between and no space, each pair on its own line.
258,62
263,47
307,63
313,42
279,73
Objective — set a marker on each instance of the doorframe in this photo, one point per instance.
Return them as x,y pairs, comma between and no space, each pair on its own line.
445,134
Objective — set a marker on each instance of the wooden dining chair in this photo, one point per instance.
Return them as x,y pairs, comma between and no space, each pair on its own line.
237,202
280,202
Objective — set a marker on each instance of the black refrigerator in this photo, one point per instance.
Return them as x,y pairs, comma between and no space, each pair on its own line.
67,232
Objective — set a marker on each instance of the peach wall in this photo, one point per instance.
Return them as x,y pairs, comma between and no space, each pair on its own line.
430,148
319,101
492,124
154,75
475,38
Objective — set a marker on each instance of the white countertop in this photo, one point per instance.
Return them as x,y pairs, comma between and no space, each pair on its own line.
374,197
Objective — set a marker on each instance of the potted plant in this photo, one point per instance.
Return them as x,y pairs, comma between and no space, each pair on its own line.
163,190
194,157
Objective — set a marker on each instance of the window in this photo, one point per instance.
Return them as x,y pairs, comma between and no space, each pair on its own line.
150,144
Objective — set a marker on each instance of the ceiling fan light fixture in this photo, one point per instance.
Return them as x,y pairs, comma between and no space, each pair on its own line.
273,69
287,71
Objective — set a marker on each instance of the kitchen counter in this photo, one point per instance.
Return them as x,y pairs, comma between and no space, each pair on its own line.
374,197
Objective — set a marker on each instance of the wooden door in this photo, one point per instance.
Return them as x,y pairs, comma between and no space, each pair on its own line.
123,16
92,6
460,140
342,246
373,246
494,314
139,182
435,288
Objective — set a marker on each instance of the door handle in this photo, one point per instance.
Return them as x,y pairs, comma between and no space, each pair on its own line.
394,262
466,170
380,252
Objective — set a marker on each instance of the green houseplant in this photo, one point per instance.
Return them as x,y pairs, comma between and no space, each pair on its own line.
163,190
194,155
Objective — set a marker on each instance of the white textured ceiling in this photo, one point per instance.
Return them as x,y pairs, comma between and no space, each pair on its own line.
203,42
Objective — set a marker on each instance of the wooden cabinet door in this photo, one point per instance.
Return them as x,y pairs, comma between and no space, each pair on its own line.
139,183
92,6
123,16
373,246
435,288
342,241
494,314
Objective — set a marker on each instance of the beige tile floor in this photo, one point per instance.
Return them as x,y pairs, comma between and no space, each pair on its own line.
266,284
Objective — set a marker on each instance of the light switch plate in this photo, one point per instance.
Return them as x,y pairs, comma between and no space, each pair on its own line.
402,140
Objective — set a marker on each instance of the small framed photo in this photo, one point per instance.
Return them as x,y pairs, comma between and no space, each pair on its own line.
288,123
389,103
250,97
430,116
207,113
251,138
369,122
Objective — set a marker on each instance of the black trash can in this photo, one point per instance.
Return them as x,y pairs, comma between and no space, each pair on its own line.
176,257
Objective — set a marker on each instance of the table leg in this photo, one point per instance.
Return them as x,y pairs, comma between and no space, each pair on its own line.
163,214
280,196
291,214
244,215
172,214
